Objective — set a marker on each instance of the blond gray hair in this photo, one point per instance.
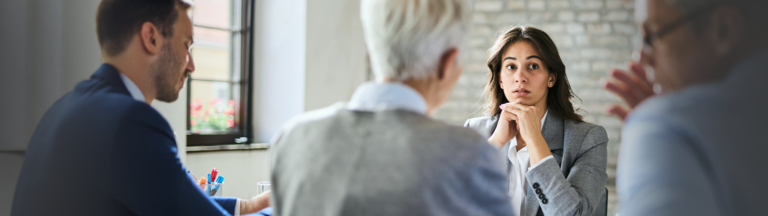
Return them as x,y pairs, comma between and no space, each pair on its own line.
407,38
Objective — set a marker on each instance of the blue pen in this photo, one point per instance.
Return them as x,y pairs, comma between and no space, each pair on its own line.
208,188
219,180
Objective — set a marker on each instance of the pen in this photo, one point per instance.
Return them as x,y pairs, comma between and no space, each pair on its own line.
208,188
202,183
219,180
214,172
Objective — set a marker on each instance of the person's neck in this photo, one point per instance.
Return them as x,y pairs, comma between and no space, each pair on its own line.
136,69
425,88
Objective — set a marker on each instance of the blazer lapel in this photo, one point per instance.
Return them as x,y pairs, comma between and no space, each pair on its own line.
553,131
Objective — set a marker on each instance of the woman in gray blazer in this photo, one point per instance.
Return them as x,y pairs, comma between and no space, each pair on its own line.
554,160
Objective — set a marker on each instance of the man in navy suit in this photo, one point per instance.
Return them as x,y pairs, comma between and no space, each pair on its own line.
102,149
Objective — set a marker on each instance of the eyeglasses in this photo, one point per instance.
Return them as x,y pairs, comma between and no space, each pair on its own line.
649,37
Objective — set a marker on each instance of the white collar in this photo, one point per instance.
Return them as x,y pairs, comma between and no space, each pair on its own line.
133,89
380,96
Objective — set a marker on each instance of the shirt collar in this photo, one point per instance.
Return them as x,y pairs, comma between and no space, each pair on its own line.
133,89
380,96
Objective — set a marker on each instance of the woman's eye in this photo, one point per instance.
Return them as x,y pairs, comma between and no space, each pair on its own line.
533,66
511,67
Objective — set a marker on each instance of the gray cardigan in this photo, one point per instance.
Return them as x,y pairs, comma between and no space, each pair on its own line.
572,183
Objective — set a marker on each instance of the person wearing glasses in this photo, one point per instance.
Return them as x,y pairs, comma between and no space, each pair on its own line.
694,139
555,162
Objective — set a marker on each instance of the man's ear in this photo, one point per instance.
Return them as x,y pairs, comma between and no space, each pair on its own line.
150,38
728,29
447,61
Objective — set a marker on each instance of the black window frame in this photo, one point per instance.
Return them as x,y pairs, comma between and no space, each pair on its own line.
245,126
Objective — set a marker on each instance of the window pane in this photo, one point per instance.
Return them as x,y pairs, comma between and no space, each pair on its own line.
214,13
212,54
214,107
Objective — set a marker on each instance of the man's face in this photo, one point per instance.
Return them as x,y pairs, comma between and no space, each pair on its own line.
679,58
175,63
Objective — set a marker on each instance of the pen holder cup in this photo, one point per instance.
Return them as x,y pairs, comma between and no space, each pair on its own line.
213,189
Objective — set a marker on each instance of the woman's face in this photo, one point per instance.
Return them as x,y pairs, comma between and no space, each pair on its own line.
523,77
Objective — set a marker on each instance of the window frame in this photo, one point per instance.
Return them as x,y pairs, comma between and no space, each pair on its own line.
245,125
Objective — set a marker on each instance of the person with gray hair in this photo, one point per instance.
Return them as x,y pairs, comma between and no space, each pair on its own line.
380,153
693,142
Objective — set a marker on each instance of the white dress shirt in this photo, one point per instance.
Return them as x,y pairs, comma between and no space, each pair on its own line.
520,165
380,96
139,96
133,89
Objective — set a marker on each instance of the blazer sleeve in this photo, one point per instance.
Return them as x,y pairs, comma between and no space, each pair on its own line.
580,192
661,171
146,175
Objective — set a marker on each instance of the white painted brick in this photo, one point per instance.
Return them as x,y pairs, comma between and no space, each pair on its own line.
580,66
479,18
482,30
566,16
488,6
516,5
625,28
476,42
613,40
582,40
600,66
600,28
536,4
553,28
539,17
575,28
562,41
588,4
614,4
558,4
513,18
616,16
589,17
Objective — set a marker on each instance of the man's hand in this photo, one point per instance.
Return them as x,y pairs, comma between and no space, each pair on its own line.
255,204
633,88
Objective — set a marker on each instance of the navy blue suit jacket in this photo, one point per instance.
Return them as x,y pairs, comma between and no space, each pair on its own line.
97,151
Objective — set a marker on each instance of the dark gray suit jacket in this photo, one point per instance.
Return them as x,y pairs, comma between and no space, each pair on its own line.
572,183
336,161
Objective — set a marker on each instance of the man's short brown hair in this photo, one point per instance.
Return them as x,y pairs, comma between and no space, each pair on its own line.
118,20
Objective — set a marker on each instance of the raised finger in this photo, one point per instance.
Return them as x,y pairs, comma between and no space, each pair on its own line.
618,111
647,84
634,85
621,90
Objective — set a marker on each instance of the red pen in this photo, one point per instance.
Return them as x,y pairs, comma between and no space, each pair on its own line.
214,172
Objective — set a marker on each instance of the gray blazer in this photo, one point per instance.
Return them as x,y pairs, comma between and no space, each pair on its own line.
336,161
574,182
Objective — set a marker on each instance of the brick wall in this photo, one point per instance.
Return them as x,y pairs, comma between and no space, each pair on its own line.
592,36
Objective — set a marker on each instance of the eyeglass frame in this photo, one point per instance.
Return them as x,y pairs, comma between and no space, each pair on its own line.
649,38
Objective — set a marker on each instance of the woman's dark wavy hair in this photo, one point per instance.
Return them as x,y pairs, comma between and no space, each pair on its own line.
559,96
